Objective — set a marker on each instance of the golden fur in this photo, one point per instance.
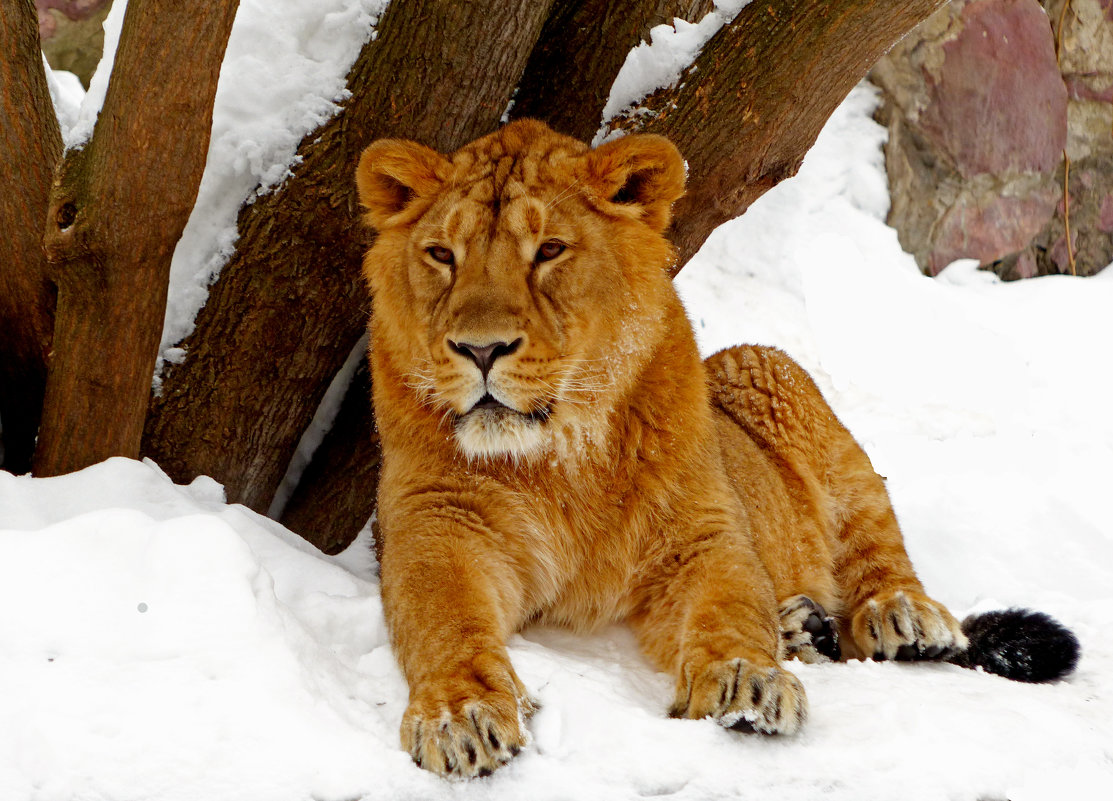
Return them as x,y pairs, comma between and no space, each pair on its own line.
555,450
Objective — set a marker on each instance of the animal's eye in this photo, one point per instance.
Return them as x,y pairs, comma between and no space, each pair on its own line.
441,254
549,250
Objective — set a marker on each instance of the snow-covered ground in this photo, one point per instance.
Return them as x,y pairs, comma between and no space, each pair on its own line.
159,644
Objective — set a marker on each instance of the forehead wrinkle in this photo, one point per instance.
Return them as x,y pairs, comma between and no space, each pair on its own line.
505,168
523,220
453,221
463,224
512,193
524,215
534,217
480,189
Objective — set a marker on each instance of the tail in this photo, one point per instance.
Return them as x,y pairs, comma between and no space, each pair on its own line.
1018,644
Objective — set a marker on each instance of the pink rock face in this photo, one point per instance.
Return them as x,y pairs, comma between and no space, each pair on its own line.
1060,255
74,9
1026,266
977,113
990,229
998,103
1105,216
1079,88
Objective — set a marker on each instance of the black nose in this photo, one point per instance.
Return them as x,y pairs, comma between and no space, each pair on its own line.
484,355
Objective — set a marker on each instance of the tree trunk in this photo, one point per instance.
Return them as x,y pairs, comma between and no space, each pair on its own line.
756,98
117,210
588,39
336,495
30,145
290,304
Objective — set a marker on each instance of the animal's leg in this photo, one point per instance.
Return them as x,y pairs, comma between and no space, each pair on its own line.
785,503
450,606
713,621
890,615
775,401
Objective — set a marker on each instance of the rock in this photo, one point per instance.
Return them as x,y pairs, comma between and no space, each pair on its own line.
981,116
72,34
997,103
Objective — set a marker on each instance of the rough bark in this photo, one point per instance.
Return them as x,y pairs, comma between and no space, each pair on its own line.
290,304
30,145
117,209
336,495
588,39
749,108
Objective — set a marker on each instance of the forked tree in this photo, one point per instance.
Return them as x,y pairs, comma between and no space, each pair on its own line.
91,232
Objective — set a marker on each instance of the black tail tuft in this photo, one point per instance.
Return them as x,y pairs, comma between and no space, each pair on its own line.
1018,644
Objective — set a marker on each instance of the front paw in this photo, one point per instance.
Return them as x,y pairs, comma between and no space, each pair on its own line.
742,696
905,625
468,721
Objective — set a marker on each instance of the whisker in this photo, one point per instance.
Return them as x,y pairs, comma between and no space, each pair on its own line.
561,197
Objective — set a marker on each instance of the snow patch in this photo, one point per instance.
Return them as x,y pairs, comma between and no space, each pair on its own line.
659,62
79,132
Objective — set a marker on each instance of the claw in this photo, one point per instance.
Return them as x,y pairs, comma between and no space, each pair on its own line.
768,700
466,727
905,625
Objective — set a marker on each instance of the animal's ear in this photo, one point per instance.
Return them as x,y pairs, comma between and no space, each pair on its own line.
392,173
641,171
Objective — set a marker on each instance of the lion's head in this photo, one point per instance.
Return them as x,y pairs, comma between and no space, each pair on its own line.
520,282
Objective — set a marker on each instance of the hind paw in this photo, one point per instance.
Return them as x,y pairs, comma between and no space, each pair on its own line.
905,625
808,633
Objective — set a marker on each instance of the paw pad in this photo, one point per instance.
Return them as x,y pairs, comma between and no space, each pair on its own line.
808,632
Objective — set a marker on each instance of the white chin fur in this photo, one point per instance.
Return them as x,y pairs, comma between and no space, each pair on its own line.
485,433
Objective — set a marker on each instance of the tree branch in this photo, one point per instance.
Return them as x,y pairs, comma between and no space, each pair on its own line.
749,108
582,48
